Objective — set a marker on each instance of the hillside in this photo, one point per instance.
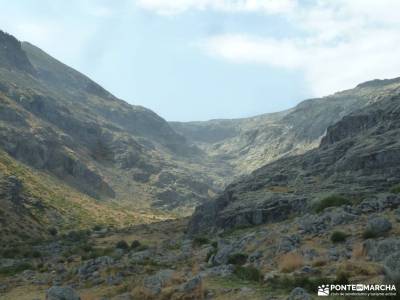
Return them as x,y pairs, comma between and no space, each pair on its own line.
247,144
56,120
357,159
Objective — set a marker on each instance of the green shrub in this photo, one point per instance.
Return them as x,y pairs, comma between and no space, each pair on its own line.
338,237
122,245
249,273
288,283
77,236
342,278
212,251
12,270
11,252
237,259
53,231
200,241
395,189
331,201
97,227
135,244
369,234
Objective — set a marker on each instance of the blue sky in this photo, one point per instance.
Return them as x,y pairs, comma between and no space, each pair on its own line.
205,59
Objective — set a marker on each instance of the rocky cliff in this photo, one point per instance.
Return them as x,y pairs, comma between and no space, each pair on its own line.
357,159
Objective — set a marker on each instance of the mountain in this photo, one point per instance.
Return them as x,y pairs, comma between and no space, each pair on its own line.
59,125
249,143
357,159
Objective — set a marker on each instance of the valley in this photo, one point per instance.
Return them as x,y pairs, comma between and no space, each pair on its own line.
101,199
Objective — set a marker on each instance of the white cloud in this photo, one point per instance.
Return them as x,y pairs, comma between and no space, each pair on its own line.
172,7
342,43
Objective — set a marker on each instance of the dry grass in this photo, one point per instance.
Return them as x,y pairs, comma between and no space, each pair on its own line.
360,268
319,262
358,251
290,262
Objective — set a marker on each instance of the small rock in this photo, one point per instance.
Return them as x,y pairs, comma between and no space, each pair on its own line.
299,294
191,285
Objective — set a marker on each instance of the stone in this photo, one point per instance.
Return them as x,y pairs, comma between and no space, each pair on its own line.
156,282
391,268
191,285
62,293
378,226
299,294
379,250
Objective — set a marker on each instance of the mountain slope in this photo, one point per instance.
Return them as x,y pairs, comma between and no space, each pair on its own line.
246,144
56,120
358,158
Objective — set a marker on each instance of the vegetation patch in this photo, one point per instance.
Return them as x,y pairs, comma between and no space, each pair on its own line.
200,241
238,259
12,270
395,189
370,234
338,237
122,245
331,201
248,273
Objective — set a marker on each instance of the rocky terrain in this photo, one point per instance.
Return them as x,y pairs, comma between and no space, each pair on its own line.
249,143
59,125
96,194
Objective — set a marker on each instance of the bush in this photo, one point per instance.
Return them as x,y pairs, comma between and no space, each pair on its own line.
369,234
53,231
97,227
290,262
200,241
77,236
249,273
237,259
395,189
289,283
122,245
338,237
11,253
331,201
12,270
135,244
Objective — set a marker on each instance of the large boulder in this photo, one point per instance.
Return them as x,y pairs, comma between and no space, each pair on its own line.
391,268
378,226
156,282
381,249
62,293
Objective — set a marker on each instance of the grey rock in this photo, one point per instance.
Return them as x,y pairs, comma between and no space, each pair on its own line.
156,282
61,293
392,268
289,243
299,294
221,271
378,250
191,285
378,225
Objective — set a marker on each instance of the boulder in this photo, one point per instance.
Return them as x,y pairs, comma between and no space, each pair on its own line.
391,268
378,226
299,294
156,282
62,293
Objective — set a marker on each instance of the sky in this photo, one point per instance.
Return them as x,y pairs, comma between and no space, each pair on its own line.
204,59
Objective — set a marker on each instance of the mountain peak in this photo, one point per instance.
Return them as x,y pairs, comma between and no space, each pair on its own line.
12,56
